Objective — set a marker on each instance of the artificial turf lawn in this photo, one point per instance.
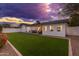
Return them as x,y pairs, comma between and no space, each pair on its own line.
37,45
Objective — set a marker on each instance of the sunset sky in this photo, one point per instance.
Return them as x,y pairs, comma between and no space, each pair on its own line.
30,10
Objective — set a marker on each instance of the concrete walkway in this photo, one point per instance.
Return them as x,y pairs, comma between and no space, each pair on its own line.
75,45
7,50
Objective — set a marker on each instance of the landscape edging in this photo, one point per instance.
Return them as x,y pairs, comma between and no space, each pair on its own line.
19,54
70,48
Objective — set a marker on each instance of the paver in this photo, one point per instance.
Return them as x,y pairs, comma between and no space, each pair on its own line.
7,50
75,45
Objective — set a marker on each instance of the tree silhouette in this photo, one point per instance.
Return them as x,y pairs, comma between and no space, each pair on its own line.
72,10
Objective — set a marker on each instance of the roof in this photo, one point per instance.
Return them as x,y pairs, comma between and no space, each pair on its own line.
49,22
56,22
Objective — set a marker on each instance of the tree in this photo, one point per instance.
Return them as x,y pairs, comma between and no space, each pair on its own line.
74,20
72,10
38,22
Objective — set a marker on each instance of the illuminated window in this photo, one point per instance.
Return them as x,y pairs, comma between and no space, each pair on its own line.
45,28
51,27
59,28
38,28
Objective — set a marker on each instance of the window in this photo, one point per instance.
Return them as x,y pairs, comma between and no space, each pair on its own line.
51,27
38,28
45,28
59,28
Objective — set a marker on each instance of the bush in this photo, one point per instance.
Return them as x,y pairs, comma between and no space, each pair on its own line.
1,43
74,20
3,40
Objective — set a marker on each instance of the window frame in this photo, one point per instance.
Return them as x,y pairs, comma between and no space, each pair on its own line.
45,28
51,28
59,28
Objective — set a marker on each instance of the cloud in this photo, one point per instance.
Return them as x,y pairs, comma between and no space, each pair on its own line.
14,20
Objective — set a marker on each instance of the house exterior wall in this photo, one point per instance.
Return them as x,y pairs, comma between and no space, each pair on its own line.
10,30
73,30
33,28
28,29
23,28
62,33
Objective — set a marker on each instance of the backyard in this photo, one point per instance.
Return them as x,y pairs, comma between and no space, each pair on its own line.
38,45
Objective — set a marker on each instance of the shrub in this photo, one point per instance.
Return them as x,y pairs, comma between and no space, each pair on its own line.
74,20
3,40
1,44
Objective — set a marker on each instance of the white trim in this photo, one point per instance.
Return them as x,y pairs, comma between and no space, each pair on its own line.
70,48
19,54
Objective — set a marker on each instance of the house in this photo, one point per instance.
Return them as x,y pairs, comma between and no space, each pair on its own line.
10,27
53,28
11,24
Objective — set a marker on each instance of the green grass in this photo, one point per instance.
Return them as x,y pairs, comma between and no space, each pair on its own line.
37,45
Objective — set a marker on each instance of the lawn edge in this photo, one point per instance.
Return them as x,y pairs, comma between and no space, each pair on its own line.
17,52
48,36
70,48
63,38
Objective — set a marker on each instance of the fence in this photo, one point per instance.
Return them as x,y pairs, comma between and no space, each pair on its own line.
10,30
73,30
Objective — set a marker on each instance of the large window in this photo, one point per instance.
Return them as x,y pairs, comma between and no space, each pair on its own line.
51,28
59,28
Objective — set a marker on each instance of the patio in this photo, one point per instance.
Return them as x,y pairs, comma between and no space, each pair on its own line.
9,50
75,45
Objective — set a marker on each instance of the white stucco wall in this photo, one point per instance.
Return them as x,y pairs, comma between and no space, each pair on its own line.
33,28
28,29
61,33
10,30
23,28
73,30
